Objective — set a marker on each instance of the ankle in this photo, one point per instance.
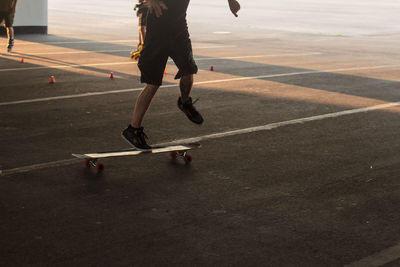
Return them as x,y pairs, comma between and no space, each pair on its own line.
185,100
134,126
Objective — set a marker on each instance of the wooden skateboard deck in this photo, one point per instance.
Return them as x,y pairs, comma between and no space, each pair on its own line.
91,159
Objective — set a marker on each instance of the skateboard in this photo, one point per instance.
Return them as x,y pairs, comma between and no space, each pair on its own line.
176,151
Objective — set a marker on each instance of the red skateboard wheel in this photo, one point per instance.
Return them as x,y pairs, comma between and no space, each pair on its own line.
87,163
188,159
100,167
174,154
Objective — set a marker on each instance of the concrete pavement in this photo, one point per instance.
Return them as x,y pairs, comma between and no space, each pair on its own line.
298,165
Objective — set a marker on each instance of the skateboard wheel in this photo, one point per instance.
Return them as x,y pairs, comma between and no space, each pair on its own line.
87,163
174,154
188,159
100,167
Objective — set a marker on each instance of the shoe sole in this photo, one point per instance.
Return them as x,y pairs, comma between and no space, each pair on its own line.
198,123
195,122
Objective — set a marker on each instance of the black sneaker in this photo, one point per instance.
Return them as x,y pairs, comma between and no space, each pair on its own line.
190,110
10,45
136,137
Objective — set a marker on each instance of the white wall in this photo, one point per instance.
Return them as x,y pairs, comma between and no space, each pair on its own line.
31,13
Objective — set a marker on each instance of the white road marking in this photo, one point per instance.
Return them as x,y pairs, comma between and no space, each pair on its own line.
105,14
266,127
379,259
213,46
66,66
27,101
260,56
76,96
281,124
39,166
298,73
76,52
109,51
134,62
31,43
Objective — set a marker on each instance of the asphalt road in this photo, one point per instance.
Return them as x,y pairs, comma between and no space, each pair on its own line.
299,160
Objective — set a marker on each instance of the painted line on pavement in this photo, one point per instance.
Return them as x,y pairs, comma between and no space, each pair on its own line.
27,101
260,56
378,259
69,66
32,43
112,51
77,96
76,52
266,127
88,12
39,166
134,62
275,125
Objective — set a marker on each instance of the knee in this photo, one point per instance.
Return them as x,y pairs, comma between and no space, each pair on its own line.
152,87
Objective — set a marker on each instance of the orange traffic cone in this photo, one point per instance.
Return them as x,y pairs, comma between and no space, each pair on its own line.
165,71
52,79
22,60
111,75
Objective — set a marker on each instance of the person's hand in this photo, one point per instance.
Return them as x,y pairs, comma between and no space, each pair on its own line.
157,6
234,6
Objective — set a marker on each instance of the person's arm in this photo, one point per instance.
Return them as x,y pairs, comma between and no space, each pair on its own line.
157,6
14,6
234,6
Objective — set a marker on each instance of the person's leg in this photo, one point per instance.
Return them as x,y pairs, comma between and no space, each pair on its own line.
185,101
10,33
183,57
9,20
134,134
151,64
186,84
152,61
142,104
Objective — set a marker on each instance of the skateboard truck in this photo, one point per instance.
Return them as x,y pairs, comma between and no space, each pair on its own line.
94,163
183,154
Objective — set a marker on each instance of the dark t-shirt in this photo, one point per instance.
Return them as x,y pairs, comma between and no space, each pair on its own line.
177,8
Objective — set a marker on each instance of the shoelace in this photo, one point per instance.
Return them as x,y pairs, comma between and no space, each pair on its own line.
142,134
197,99
143,137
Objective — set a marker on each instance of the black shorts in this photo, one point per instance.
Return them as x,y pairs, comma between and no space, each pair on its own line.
142,15
8,19
161,43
